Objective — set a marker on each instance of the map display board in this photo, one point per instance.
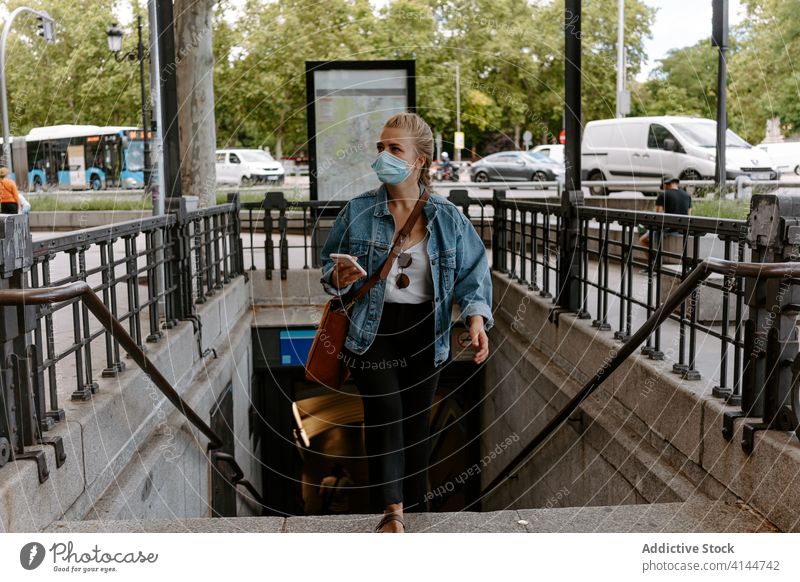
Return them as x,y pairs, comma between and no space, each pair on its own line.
347,104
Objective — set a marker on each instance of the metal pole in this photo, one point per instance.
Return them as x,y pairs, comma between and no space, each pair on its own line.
158,122
569,272
722,120
169,98
140,56
158,187
719,39
6,161
620,55
458,107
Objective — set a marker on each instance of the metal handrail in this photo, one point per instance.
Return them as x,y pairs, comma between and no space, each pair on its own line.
81,289
681,293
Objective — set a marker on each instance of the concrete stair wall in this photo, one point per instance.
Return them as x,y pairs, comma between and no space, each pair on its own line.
130,454
646,436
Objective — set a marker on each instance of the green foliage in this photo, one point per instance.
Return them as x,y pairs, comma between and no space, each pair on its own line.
737,209
510,54
684,83
75,79
762,80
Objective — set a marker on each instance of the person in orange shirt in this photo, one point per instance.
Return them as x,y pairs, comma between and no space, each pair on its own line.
9,195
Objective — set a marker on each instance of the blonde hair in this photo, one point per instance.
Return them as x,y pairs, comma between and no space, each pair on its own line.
3,172
421,136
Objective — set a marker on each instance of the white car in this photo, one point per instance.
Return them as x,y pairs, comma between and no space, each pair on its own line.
785,155
552,151
645,149
248,167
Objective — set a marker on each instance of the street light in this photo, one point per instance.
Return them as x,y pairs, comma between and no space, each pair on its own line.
114,36
45,28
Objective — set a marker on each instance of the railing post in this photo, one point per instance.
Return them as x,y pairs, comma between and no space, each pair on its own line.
771,338
178,269
236,248
275,201
498,230
21,407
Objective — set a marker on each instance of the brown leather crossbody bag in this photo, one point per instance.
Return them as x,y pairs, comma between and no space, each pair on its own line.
325,364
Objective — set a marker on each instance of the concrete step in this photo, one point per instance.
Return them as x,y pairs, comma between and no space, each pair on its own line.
696,516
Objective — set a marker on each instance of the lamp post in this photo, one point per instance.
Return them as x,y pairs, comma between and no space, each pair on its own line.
114,35
45,27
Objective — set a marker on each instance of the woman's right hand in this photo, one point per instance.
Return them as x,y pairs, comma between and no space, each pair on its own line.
344,273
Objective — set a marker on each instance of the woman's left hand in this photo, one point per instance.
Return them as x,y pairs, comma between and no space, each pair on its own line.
480,341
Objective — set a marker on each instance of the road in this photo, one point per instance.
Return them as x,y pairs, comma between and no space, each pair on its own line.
296,187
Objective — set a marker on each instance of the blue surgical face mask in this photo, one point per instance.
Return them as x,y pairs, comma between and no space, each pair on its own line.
391,169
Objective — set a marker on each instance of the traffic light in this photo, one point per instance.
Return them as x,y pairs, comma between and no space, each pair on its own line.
44,28
719,23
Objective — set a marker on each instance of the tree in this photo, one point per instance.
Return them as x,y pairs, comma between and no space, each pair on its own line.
194,74
763,73
684,83
75,79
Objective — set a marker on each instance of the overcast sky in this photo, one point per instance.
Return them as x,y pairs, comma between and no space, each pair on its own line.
681,23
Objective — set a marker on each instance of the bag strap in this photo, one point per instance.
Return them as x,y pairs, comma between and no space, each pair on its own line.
393,252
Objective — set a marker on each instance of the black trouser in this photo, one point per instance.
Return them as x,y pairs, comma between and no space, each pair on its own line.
397,382
9,208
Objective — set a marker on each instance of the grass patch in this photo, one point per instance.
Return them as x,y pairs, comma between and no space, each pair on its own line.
223,198
736,209
63,204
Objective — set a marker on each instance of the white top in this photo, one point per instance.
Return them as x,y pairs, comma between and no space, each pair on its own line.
420,287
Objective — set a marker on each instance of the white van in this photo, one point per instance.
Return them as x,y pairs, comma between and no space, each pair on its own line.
785,155
247,167
642,149
553,151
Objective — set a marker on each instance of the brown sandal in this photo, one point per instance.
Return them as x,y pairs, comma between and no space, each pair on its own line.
387,517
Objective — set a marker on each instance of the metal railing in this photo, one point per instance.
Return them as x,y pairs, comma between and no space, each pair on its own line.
83,292
142,269
764,379
280,234
111,259
150,274
790,408
621,272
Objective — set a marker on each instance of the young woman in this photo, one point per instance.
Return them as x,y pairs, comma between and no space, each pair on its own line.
399,334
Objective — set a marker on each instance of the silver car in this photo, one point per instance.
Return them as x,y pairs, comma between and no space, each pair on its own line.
516,166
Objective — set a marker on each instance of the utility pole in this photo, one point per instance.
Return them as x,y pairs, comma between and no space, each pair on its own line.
45,27
719,39
157,187
458,109
623,103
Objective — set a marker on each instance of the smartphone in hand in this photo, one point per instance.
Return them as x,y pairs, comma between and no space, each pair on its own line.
349,260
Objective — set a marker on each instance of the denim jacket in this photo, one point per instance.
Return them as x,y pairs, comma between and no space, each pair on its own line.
365,229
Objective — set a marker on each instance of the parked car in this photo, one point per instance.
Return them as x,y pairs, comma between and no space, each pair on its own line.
248,167
516,166
642,149
785,155
553,151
